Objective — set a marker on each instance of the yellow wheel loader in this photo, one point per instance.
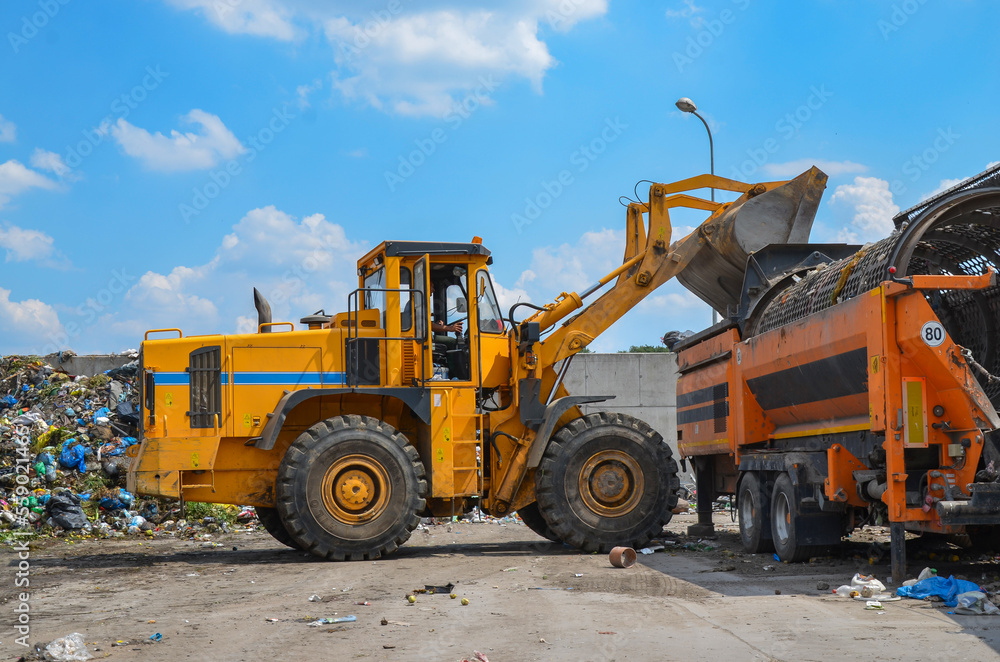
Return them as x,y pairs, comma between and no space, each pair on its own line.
422,398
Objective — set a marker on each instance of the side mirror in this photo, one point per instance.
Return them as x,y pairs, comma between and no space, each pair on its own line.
461,305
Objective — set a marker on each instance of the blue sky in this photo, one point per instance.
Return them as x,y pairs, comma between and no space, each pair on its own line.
159,158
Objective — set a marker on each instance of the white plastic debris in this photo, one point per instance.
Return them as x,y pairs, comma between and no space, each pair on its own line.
70,648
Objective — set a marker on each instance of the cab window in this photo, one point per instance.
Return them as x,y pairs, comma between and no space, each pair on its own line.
405,302
375,299
490,319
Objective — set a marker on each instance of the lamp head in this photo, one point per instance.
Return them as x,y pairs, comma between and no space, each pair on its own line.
686,105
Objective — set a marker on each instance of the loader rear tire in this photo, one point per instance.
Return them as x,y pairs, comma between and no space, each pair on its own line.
533,519
271,521
350,488
754,507
606,480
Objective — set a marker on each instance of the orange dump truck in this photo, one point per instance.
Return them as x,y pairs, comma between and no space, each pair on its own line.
854,385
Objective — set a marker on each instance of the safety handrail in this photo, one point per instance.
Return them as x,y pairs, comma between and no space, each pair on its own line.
353,313
180,334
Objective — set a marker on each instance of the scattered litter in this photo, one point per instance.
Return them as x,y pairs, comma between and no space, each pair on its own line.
446,589
651,549
862,586
271,620
332,621
386,621
768,568
70,648
946,589
622,557
975,603
156,637
874,605
315,598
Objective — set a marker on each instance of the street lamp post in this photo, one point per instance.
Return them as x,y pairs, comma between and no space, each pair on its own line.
687,106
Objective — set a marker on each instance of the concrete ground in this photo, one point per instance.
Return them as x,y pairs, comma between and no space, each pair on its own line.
528,600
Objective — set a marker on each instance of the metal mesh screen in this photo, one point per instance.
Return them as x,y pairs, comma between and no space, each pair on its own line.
965,244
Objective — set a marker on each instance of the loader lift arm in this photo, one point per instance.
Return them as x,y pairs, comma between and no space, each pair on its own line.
650,260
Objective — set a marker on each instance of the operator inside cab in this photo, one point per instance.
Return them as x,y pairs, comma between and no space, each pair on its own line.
449,311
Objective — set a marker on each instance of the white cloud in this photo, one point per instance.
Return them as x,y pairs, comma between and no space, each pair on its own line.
261,18
944,185
573,267
181,151
8,132
868,204
24,325
690,11
799,166
299,265
44,160
15,178
22,245
303,92
415,59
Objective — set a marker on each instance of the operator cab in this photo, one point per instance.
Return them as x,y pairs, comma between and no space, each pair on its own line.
419,294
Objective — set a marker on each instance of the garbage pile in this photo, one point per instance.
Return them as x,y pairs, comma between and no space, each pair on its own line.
65,445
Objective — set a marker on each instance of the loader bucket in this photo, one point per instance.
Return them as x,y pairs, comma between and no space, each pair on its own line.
784,214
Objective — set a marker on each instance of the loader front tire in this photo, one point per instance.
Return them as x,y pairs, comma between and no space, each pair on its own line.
533,519
606,480
350,488
271,521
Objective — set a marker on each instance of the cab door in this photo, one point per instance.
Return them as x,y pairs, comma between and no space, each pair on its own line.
422,319
490,331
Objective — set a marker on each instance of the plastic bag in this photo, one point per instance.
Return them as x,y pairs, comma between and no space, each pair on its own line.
947,589
72,456
118,500
70,648
65,510
975,603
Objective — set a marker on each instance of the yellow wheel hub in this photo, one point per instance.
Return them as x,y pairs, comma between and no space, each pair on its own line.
611,483
356,489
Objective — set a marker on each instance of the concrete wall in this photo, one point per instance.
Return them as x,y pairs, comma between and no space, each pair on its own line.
644,386
88,364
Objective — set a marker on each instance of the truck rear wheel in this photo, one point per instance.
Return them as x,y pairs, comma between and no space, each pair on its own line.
605,480
533,519
350,488
271,521
755,514
784,522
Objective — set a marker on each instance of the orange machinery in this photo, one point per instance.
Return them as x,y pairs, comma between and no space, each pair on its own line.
854,385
